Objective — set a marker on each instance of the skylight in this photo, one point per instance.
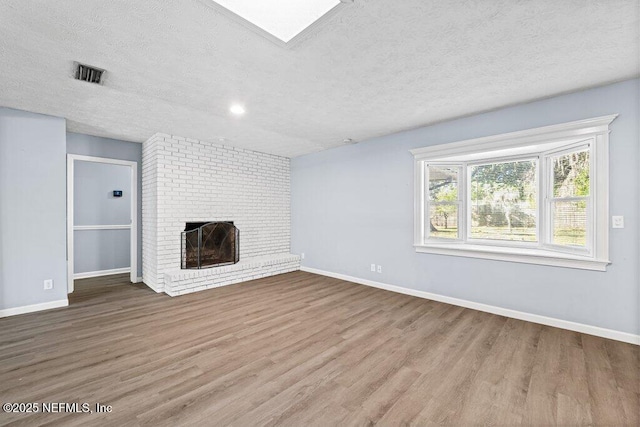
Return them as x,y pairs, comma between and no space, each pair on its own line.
283,19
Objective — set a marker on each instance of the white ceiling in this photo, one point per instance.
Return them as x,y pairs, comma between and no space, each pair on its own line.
376,67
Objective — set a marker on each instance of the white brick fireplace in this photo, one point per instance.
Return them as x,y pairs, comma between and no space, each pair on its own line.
186,180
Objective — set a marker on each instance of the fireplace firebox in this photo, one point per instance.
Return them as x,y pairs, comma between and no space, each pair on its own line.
210,244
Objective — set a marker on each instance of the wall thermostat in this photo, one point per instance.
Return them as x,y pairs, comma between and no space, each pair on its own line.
117,193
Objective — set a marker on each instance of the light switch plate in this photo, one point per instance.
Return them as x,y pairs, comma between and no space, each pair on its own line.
617,222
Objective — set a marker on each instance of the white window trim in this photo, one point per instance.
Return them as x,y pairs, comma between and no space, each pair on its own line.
596,129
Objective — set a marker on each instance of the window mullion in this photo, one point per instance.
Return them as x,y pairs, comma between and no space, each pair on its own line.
463,209
427,205
545,204
592,228
569,199
540,199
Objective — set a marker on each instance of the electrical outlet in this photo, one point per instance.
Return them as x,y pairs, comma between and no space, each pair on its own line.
373,268
379,269
302,255
617,222
48,284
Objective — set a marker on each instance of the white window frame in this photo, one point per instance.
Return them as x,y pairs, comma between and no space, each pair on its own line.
495,242
460,203
541,143
547,191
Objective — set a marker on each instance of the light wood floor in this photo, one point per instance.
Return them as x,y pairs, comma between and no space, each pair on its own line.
301,349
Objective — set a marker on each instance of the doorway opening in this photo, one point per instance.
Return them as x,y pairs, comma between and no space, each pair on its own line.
102,218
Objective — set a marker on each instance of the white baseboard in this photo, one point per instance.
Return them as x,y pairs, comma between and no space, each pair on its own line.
520,315
100,273
33,307
138,279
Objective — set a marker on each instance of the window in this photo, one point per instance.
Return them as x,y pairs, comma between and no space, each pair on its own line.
503,200
444,203
570,198
537,196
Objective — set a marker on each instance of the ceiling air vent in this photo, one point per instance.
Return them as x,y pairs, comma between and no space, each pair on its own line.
90,74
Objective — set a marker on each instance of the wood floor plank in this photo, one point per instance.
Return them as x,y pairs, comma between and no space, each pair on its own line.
574,406
605,398
302,349
499,389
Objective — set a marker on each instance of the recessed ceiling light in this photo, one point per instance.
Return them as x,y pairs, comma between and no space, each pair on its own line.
282,18
237,109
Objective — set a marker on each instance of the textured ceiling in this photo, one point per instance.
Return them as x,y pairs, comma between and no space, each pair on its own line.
374,68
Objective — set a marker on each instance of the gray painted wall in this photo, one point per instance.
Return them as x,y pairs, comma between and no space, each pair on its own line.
98,250
353,206
94,204
114,149
32,208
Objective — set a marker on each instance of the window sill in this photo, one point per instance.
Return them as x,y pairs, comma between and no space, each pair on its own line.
510,254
